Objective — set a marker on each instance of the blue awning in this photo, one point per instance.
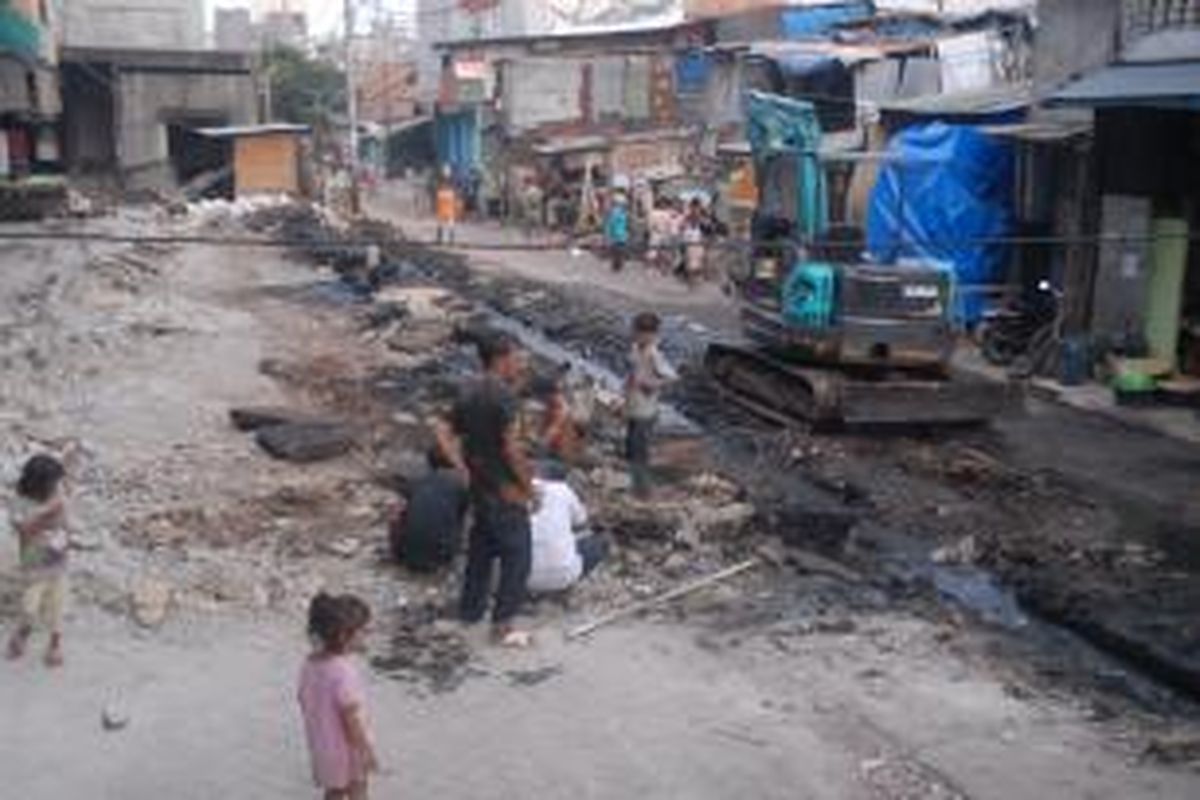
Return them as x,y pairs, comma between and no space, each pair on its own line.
1167,85
819,21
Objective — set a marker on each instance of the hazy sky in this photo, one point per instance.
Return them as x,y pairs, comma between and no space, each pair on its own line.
324,16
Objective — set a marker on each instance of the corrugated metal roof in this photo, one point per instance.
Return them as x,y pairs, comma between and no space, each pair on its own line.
571,144
252,130
846,53
995,100
1039,131
1173,84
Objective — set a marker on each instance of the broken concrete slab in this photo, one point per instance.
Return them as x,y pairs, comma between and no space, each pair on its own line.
306,442
816,564
150,600
114,717
1173,749
345,547
86,541
726,520
253,418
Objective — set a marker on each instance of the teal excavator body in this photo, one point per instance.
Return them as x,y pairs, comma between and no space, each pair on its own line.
834,338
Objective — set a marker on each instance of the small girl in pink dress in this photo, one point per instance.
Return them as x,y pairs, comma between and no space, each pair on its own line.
333,698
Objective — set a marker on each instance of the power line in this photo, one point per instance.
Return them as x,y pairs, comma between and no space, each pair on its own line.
735,245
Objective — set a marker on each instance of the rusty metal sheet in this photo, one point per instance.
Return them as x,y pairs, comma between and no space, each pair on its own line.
541,91
608,87
637,87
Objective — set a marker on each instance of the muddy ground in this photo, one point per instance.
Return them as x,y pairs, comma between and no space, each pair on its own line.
1092,525
197,553
1084,523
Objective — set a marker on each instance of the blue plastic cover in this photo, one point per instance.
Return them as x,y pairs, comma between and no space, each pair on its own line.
457,141
818,21
945,194
691,71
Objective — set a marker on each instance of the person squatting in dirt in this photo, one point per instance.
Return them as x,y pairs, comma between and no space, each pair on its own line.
333,700
426,534
39,518
564,551
481,436
649,373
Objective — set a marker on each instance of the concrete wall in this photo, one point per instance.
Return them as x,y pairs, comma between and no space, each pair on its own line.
566,17
440,21
135,24
148,102
1074,37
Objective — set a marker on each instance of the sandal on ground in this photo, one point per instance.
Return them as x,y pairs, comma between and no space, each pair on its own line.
514,639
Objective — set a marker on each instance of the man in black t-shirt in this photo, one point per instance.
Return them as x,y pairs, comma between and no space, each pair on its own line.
481,438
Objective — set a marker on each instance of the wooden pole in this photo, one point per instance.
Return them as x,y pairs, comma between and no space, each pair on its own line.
665,597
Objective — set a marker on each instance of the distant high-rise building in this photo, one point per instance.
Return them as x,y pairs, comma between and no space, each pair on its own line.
265,7
284,28
387,73
135,24
234,30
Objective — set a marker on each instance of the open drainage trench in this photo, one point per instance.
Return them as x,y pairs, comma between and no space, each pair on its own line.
592,340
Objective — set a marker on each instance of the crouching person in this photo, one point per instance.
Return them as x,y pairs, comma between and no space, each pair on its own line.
427,534
563,551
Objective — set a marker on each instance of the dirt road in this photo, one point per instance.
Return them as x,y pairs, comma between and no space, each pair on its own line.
780,685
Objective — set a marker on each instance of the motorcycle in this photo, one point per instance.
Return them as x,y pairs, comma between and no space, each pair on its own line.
1022,335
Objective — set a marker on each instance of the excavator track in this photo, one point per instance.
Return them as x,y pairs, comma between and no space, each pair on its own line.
789,394
767,388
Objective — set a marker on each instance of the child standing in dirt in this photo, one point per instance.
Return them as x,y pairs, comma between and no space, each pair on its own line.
333,698
649,373
38,516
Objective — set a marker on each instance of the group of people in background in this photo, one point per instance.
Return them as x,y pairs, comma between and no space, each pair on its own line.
677,235
670,234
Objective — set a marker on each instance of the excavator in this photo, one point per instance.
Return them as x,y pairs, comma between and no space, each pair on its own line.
832,339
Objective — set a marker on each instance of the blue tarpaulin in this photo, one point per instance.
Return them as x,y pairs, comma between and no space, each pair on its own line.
457,137
943,189
691,72
818,21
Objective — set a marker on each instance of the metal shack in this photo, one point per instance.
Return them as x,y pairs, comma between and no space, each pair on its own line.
265,159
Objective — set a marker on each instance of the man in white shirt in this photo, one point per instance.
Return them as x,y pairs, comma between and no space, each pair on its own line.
561,556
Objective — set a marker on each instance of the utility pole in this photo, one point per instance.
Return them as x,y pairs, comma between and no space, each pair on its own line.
351,101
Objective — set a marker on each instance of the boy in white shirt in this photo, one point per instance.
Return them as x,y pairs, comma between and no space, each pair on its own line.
561,556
